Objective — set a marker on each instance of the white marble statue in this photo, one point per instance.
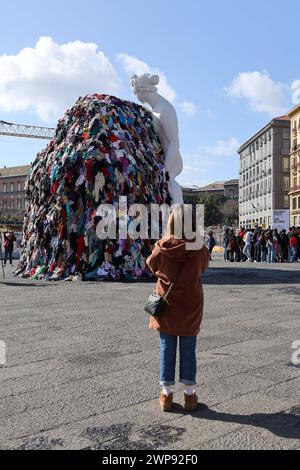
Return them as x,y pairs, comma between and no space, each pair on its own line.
166,126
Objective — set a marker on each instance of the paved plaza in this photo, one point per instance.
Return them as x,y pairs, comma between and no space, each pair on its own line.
82,367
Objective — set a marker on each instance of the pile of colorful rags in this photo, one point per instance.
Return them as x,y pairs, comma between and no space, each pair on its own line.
103,148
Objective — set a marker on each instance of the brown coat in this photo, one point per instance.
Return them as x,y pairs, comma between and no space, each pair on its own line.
183,314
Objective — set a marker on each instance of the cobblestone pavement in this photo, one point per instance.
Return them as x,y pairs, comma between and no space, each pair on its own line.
82,367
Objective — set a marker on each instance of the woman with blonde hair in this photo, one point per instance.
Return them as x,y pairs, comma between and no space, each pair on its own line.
180,257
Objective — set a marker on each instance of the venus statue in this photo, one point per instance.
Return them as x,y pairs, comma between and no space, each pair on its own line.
166,126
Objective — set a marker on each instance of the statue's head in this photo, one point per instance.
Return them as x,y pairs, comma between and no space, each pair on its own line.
143,84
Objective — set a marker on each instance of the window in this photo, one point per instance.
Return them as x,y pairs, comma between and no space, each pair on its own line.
294,146
294,126
286,183
285,163
286,146
11,187
294,203
4,187
286,201
19,186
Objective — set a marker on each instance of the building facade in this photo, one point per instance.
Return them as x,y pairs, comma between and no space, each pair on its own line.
265,174
231,189
294,116
228,189
12,192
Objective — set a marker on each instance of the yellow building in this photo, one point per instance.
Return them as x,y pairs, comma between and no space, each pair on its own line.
294,116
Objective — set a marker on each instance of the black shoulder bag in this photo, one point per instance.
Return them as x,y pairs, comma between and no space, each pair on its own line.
155,303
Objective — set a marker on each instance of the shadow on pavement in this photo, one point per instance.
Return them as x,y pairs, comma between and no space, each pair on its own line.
234,275
286,425
24,284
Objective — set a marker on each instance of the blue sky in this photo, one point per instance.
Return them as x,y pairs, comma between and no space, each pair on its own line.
228,66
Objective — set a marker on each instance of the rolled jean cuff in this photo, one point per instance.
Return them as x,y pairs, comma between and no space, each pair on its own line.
165,383
188,382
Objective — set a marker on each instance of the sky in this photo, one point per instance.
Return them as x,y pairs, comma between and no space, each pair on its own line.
228,67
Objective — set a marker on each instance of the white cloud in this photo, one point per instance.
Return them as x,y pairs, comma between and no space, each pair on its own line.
262,93
132,66
48,78
189,108
223,148
296,92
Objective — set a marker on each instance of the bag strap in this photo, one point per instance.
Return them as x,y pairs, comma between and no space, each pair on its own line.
172,284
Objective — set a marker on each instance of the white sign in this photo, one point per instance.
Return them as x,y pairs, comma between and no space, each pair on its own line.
281,219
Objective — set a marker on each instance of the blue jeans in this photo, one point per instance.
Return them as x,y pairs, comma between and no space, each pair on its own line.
188,363
247,251
293,254
271,254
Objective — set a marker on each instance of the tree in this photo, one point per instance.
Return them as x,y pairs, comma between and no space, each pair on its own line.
231,212
212,211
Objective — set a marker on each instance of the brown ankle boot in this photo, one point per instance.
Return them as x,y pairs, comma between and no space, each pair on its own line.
166,402
190,402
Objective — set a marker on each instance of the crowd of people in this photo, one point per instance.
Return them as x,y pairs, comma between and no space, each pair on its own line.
259,245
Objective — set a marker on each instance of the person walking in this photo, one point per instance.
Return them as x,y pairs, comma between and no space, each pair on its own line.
225,244
293,246
240,244
271,246
298,238
283,244
182,316
9,239
232,245
211,243
276,244
263,247
247,247
257,251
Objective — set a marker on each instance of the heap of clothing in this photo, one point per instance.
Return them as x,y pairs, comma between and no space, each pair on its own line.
103,148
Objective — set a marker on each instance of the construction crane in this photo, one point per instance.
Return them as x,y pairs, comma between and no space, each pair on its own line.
21,130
